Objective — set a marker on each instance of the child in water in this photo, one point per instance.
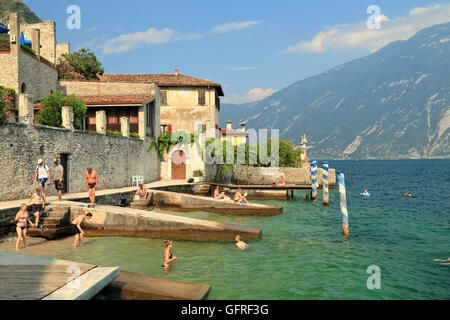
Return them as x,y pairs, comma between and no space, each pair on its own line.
239,243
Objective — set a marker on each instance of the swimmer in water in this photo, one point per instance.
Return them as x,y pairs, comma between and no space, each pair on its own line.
446,261
168,257
408,194
365,192
239,243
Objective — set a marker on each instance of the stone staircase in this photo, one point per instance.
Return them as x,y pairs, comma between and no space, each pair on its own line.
55,223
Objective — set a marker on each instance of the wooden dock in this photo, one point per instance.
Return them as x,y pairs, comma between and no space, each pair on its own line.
29,277
135,286
261,186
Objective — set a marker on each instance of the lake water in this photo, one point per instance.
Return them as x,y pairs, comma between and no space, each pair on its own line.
302,253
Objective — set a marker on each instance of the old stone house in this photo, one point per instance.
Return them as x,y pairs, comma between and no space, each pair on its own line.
187,104
234,136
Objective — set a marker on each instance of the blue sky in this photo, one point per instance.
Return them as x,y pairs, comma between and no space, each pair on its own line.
252,48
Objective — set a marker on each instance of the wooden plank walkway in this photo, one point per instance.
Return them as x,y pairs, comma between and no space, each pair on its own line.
34,282
31,277
261,186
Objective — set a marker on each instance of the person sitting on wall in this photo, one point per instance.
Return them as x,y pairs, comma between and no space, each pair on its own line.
239,243
282,183
141,192
239,197
218,194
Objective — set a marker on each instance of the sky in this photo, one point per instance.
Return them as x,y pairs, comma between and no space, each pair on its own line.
253,48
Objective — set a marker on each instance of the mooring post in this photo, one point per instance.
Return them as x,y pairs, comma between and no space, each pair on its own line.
343,199
314,180
325,182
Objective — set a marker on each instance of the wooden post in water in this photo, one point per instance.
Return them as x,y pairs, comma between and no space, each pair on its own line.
325,183
343,199
314,180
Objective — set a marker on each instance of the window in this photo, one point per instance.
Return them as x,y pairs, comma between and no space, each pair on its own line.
163,98
201,97
23,89
149,121
201,127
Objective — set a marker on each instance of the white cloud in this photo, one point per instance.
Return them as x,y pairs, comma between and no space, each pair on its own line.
241,68
126,42
357,35
420,10
254,94
223,28
231,26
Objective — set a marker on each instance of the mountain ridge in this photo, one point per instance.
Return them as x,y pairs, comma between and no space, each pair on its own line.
391,104
26,15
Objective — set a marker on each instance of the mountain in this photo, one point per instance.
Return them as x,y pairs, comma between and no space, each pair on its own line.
24,12
394,103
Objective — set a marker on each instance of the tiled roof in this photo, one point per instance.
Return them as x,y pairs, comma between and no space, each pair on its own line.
162,80
110,100
113,100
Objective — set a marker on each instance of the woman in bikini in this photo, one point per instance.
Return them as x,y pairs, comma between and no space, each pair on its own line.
168,257
37,205
22,218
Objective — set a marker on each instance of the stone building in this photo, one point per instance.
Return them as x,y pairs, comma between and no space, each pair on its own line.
23,71
234,136
188,104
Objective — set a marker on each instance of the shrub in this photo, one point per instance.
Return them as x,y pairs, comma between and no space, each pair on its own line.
84,63
50,111
113,133
198,173
67,72
7,97
28,49
134,135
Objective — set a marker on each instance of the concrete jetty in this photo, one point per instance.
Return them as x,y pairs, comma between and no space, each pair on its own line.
187,202
135,286
111,221
30,277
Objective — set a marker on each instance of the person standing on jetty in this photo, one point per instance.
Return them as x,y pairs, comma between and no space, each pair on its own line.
37,205
42,174
22,218
58,177
168,257
91,184
76,227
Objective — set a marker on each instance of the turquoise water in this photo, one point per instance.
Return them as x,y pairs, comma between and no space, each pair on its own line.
302,253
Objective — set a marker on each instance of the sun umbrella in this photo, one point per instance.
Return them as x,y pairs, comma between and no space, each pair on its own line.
3,29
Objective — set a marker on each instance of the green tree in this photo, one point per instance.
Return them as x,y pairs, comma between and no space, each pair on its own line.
50,111
85,63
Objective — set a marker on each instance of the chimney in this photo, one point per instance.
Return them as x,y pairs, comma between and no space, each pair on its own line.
243,126
229,124
36,41
176,72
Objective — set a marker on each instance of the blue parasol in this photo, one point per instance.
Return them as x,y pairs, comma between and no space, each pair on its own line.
3,29
22,38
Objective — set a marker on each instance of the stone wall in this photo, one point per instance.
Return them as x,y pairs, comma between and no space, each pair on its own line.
62,48
9,74
255,175
96,88
39,78
115,158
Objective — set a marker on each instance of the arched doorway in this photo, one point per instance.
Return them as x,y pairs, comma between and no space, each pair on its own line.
178,165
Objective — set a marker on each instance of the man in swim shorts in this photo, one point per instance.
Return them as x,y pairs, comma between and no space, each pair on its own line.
76,227
91,184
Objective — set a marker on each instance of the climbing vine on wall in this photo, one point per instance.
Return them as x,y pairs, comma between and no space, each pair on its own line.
7,97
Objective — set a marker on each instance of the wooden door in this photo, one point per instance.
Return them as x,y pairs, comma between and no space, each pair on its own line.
178,165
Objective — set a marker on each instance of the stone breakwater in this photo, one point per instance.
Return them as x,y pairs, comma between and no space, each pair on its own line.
112,221
21,146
